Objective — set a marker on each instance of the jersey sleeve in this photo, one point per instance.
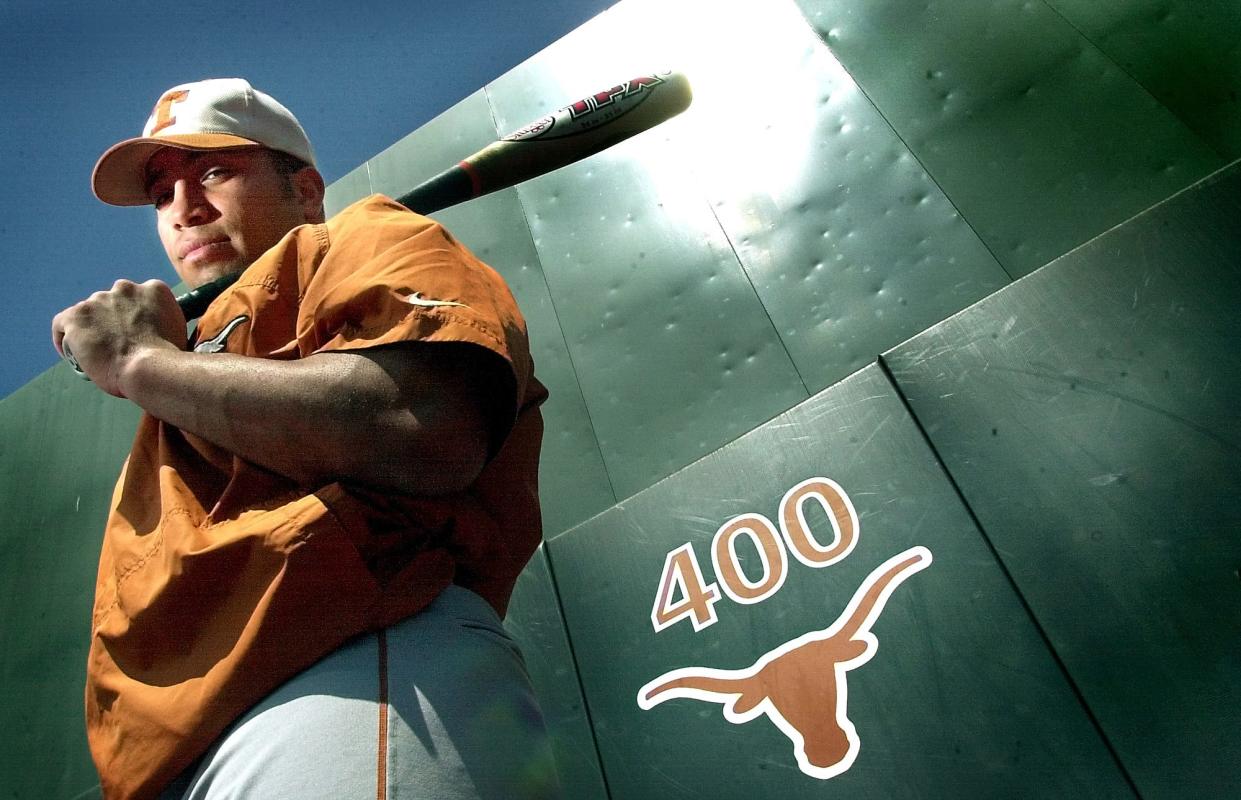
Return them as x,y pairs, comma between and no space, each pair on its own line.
392,276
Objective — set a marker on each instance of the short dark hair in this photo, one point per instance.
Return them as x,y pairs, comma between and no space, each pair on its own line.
285,164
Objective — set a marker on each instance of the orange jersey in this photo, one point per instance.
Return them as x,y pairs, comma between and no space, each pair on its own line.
218,579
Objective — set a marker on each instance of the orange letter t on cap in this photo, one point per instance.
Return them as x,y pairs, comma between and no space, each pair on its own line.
163,110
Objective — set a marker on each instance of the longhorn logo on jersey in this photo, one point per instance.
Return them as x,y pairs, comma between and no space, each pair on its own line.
216,343
801,685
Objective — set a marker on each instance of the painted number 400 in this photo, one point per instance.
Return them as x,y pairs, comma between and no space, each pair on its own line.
682,577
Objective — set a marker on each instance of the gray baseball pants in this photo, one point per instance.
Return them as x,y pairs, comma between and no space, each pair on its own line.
437,707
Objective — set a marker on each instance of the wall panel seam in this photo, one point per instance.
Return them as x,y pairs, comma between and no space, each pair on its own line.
551,298
1136,82
912,154
577,672
1008,576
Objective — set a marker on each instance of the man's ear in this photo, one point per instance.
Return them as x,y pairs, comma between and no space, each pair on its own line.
309,187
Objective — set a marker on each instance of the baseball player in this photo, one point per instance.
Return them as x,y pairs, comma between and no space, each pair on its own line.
331,493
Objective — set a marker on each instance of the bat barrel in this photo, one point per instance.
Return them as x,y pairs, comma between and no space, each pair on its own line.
581,129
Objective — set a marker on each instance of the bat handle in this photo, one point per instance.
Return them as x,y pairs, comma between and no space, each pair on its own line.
194,302
73,362
450,187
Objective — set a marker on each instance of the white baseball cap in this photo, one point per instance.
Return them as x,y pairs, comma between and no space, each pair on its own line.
206,115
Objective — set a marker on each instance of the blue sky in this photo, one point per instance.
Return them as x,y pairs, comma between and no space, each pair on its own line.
78,77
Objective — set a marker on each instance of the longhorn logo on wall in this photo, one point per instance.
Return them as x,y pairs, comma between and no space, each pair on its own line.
801,685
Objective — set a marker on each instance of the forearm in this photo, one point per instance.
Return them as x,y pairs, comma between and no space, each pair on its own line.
332,416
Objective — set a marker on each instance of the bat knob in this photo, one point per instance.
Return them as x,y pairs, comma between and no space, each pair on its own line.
73,362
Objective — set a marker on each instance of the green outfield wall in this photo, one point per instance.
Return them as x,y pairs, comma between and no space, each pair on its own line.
892,443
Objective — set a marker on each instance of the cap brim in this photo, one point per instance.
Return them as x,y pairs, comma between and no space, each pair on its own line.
120,175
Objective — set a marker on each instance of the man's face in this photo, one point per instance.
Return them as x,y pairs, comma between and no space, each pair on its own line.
219,210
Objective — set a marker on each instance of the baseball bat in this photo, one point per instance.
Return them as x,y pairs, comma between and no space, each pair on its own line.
580,129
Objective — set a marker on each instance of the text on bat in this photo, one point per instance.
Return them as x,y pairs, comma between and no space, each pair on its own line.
607,97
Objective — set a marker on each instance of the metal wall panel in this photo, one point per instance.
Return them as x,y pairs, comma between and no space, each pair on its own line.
573,482
1184,52
849,243
347,190
675,353
1037,137
1089,415
534,620
768,242
62,442
961,698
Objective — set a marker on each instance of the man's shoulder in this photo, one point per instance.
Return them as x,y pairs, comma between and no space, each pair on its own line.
376,210
379,227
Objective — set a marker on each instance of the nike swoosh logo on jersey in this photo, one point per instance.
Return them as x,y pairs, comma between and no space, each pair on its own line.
216,343
416,299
